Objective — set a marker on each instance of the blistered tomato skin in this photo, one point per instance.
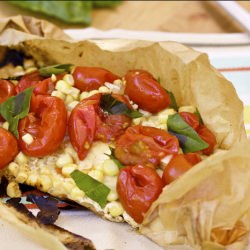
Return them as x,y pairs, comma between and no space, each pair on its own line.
8,147
7,89
178,165
46,123
138,187
91,78
145,91
145,145
191,119
208,137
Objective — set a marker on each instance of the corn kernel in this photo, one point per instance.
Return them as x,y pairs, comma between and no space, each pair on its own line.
30,70
13,168
64,160
190,109
58,94
137,121
44,170
32,179
104,89
68,186
21,158
74,92
72,105
21,176
44,182
6,125
53,78
68,169
28,63
18,71
76,193
69,150
110,168
27,138
69,79
84,95
164,161
113,88
96,174
13,190
68,99
118,82
112,196
63,86
115,209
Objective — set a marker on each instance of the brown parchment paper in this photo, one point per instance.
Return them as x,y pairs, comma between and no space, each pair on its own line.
199,197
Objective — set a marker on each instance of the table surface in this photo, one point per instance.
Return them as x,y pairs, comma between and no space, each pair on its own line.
169,16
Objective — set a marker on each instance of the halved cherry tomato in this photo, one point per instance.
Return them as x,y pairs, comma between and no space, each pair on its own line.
208,137
191,119
90,78
145,145
8,147
144,90
178,165
87,123
46,124
82,125
7,89
138,187
41,85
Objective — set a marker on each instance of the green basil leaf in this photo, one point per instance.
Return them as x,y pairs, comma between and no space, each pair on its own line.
189,140
173,103
112,157
54,69
94,189
111,105
16,108
105,4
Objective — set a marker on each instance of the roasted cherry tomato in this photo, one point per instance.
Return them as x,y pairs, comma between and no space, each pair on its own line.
47,125
82,125
8,147
145,145
90,78
144,90
88,122
208,137
191,119
41,85
138,187
7,89
178,165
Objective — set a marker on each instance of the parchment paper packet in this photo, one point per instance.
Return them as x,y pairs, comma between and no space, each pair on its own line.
185,72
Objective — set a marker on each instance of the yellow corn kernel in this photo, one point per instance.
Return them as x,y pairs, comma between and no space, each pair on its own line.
118,82
13,190
28,63
96,174
74,92
137,121
112,196
44,182
63,160
30,70
104,89
63,86
13,168
18,71
110,181
84,95
68,99
76,193
27,138
72,105
21,158
113,88
68,186
21,176
32,179
53,78
110,168
68,169
115,208
58,94
164,161
6,125
69,150
93,92
69,79
44,170
190,109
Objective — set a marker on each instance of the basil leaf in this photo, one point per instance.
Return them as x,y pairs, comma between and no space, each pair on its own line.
112,157
54,69
105,4
111,105
16,108
189,140
173,103
94,189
